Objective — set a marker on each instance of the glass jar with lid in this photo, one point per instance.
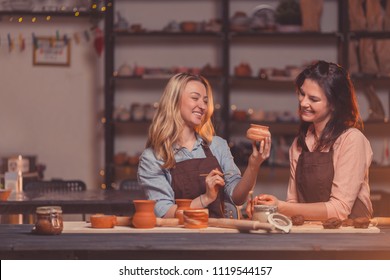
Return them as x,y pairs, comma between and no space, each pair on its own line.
261,212
49,220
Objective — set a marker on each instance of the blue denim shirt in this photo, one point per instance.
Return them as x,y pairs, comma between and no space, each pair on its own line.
157,181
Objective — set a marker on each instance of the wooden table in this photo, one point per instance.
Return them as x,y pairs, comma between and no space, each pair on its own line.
90,201
17,242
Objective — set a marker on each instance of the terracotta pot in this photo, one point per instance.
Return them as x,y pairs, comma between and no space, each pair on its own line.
188,26
243,70
144,216
4,194
196,218
182,204
258,132
103,221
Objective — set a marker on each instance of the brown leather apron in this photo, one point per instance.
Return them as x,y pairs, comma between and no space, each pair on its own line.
186,182
314,178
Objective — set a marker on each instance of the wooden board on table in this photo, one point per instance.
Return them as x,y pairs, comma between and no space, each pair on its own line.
85,227
316,227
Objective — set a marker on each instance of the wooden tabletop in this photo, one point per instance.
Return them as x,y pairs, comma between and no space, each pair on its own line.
90,201
17,242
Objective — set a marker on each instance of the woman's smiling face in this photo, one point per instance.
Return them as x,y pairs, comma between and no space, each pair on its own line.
194,102
313,104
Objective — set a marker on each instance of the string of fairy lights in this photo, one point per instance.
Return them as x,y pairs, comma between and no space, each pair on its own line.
19,41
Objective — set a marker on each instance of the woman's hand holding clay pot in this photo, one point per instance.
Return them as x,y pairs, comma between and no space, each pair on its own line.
258,132
263,199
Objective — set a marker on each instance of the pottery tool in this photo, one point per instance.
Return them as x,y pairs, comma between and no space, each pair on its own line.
242,225
167,222
380,221
224,174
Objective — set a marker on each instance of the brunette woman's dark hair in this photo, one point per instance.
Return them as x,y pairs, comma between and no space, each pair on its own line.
336,83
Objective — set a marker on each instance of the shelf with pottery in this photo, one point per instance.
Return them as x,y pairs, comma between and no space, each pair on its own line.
161,33
369,34
292,35
223,38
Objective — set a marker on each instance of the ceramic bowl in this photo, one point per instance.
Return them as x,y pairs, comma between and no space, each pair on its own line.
123,221
103,221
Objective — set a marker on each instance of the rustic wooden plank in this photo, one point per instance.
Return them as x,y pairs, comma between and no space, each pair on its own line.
17,242
85,227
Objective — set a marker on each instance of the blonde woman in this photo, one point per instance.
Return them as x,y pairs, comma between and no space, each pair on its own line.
182,145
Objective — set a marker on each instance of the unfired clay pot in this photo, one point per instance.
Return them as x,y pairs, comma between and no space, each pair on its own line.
196,218
258,132
182,204
144,216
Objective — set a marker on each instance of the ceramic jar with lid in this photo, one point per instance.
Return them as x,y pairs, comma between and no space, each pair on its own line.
261,212
49,220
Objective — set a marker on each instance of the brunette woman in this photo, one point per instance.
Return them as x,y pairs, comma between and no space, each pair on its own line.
330,157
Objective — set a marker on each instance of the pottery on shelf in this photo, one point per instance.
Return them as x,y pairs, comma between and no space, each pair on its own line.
144,216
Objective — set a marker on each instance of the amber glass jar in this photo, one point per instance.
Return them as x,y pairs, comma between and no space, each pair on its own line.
49,220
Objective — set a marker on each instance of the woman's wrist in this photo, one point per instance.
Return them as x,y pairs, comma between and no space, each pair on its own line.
204,202
281,206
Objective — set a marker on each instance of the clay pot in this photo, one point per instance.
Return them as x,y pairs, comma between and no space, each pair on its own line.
188,26
4,194
196,218
182,204
258,132
144,216
243,70
103,221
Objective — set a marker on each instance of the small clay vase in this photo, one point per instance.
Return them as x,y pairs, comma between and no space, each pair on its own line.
144,216
182,204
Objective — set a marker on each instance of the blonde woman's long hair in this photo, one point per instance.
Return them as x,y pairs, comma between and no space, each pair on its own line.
167,124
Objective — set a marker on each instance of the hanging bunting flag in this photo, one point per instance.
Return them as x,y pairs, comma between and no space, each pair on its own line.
86,34
35,41
99,41
22,42
52,42
76,37
10,43
66,40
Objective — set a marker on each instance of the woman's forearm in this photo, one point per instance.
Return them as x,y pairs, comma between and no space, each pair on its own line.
246,184
311,211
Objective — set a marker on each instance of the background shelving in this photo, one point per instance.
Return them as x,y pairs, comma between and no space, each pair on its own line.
228,50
